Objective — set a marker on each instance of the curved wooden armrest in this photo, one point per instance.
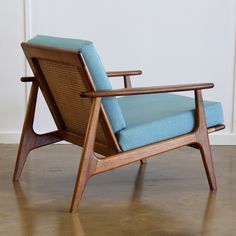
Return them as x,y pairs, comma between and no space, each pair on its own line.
123,73
27,79
146,90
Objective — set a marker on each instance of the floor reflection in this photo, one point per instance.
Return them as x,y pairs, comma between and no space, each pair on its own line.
209,214
134,217
57,223
138,184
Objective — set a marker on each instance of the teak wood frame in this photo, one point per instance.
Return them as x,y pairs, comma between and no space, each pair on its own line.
90,164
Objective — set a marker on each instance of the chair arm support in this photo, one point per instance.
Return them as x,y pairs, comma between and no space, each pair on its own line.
123,73
126,76
147,90
27,79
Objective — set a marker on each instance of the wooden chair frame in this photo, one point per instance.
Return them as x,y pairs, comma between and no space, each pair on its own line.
90,164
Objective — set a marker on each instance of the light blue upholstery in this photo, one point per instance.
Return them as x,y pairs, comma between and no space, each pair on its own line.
138,120
152,118
96,69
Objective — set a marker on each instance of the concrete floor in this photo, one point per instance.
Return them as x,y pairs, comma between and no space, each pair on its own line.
167,196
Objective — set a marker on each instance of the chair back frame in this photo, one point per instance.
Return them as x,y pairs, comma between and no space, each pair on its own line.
33,54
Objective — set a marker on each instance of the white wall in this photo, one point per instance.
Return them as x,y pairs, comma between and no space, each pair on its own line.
12,92
173,42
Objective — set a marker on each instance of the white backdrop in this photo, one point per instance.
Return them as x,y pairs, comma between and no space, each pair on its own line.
184,41
12,92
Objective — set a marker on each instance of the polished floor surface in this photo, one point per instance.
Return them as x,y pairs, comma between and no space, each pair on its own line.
167,196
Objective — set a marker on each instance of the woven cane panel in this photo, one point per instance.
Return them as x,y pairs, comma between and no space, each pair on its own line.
65,83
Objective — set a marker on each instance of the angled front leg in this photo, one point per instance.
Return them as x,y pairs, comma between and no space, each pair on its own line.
203,140
88,160
29,139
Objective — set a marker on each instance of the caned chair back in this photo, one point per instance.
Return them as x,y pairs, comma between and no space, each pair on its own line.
62,75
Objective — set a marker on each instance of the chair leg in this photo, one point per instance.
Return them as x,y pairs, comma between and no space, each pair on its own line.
203,140
88,160
25,147
208,163
82,179
144,161
29,139
27,136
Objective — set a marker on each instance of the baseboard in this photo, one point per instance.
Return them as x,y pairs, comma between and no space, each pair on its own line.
215,139
223,139
14,138
9,138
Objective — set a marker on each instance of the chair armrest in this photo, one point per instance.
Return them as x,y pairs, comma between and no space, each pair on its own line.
147,90
126,76
123,73
27,79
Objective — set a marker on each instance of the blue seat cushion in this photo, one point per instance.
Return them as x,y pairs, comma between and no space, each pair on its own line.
95,68
156,117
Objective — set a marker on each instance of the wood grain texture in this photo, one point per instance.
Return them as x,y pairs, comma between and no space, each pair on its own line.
202,140
88,161
147,90
123,73
127,157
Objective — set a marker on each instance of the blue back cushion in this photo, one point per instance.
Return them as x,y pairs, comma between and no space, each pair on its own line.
96,70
